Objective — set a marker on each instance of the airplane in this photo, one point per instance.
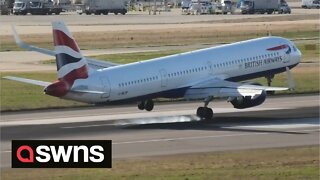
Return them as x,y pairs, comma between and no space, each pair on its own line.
205,74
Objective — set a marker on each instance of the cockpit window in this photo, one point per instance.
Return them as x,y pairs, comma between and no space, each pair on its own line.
18,4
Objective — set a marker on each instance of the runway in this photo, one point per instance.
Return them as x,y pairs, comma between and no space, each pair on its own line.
172,128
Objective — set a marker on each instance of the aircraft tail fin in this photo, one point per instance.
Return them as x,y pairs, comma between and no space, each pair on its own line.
71,64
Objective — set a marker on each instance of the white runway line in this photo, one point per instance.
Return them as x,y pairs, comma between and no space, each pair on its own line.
6,151
207,137
284,124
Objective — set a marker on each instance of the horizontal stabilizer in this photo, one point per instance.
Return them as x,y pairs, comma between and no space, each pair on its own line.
28,81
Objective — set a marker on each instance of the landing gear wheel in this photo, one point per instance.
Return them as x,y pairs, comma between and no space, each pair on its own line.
200,112
149,105
205,113
141,105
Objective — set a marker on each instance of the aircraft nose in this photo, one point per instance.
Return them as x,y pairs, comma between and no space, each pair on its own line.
298,55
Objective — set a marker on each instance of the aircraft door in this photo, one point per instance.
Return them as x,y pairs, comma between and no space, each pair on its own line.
210,67
106,88
164,78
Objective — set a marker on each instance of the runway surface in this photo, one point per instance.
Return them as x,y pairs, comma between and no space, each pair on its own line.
172,128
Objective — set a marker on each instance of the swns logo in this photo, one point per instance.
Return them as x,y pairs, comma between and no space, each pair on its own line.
61,154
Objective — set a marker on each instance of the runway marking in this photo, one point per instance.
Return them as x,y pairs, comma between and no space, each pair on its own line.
9,151
204,137
283,124
194,138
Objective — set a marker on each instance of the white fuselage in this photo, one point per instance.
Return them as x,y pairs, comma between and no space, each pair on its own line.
170,76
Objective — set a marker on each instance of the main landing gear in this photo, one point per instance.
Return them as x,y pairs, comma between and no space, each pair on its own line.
205,112
146,105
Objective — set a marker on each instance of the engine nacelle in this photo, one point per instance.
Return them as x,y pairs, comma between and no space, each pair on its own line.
247,102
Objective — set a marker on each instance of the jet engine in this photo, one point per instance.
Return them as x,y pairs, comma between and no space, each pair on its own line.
243,102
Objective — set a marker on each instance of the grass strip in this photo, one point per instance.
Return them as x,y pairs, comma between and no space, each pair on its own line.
275,163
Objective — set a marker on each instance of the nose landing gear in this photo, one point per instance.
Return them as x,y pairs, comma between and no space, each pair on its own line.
269,80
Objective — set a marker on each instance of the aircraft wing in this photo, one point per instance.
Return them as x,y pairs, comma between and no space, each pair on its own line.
93,63
28,81
223,88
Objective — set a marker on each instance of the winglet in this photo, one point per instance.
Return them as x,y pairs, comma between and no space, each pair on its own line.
17,39
23,45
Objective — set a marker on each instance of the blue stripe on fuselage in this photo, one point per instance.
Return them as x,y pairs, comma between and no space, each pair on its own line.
180,92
